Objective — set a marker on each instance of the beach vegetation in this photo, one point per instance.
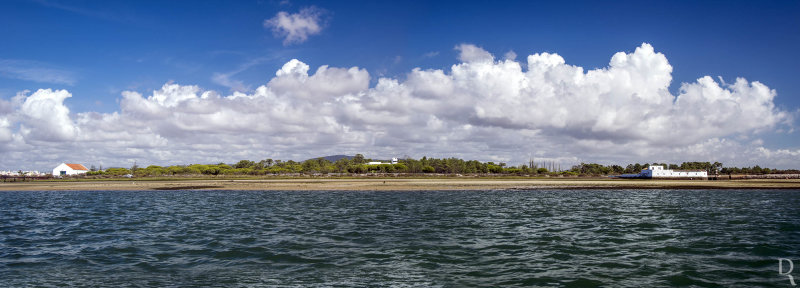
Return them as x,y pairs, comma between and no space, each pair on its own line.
358,166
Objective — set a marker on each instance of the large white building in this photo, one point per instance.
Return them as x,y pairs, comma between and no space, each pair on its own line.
65,169
394,161
660,172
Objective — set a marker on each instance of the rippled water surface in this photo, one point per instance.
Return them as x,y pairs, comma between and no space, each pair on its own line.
572,238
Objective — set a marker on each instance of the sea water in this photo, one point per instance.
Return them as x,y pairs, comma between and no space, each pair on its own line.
567,238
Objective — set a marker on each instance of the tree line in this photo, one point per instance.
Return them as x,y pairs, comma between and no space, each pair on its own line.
359,165
711,168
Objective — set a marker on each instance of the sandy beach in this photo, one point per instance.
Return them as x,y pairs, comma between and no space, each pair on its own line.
395,184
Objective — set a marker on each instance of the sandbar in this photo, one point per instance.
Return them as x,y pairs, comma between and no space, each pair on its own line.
393,184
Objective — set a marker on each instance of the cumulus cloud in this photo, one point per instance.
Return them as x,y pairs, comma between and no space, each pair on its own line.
481,108
472,53
46,118
293,80
296,27
628,100
5,122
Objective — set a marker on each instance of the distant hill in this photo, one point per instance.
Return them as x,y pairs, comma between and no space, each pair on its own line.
334,158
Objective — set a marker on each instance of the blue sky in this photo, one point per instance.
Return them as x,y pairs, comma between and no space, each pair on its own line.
98,49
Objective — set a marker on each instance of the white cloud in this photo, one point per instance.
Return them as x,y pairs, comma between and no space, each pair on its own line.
510,55
296,27
472,53
629,100
46,118
482,109
326,83
5,122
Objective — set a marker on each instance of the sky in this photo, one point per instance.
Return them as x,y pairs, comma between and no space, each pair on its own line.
110,83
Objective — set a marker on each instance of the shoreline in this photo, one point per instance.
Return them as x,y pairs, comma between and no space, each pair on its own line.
391,184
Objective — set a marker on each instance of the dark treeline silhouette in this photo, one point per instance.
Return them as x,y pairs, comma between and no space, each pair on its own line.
359,165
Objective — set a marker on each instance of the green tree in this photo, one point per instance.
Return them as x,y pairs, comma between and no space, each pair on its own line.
400,168
496,169
359,159
311,166
340,166
715,168
244,164
118,171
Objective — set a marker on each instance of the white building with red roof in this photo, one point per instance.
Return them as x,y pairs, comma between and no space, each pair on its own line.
66,169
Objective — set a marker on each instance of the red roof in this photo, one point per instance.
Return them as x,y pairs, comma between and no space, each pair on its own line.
77,166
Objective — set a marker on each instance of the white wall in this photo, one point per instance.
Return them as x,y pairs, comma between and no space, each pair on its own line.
659,171
67,169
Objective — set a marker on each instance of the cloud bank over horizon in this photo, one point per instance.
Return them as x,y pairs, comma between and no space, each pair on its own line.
482,108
